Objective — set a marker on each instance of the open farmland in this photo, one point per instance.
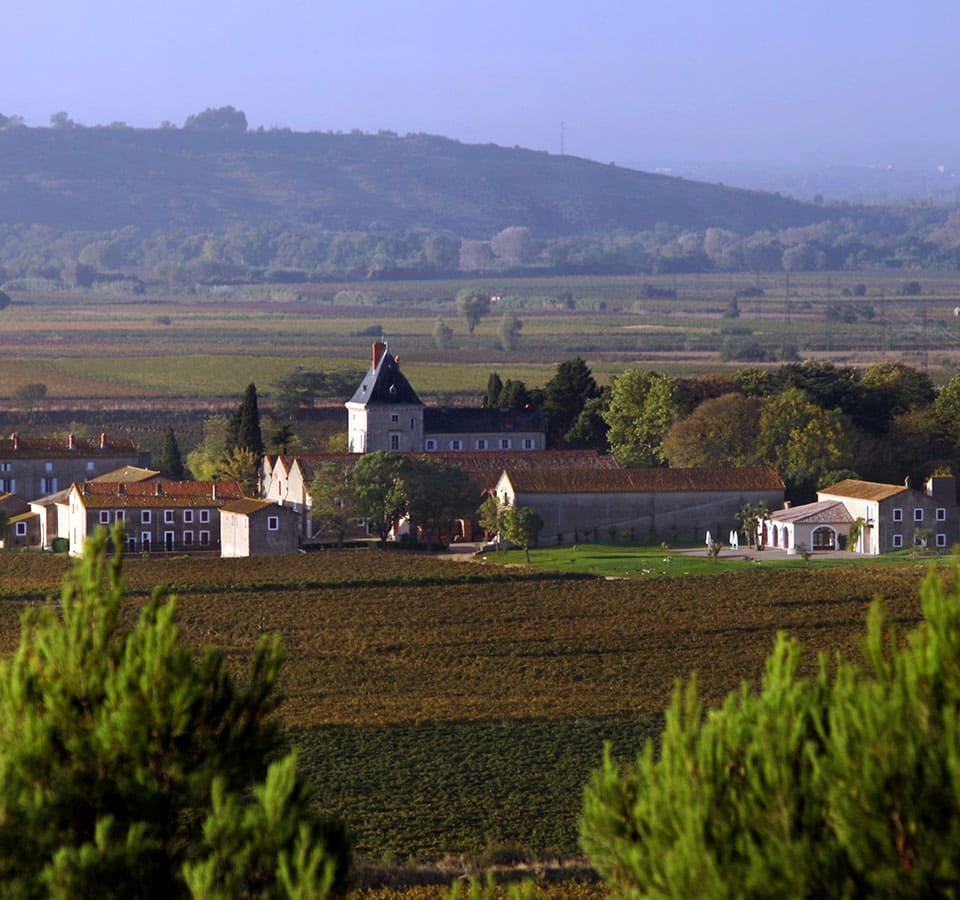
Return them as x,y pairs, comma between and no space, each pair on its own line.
449,708
211,343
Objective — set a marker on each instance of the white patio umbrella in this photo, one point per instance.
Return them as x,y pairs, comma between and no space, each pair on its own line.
709,539
735,539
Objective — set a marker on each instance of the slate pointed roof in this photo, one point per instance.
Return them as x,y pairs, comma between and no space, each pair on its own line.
385,385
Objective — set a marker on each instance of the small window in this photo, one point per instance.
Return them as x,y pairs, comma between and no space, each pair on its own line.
897,541
941,514
91,465
394,441
456,444
21,529
104,516
506,443
482,444
145,517
413,424
145,539
394,418
5,467
529,444
119,515
188,516
941,540
204,516
898,515
48,467
168,540
168,517
204,538
429,444
188,539
918,515
273,523
131,544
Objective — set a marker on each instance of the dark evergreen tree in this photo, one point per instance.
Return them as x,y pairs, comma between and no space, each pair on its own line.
564,397
134,768
169,461
491,399
246,419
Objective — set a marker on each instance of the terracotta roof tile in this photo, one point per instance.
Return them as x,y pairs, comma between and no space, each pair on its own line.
824,511
647,480
863,490
20,446
107,495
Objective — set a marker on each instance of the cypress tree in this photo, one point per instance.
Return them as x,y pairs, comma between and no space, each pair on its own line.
244,431
169,461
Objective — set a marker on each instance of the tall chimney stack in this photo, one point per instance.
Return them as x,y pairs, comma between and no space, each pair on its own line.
379,348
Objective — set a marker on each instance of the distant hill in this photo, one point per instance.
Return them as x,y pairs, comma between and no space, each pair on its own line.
98,179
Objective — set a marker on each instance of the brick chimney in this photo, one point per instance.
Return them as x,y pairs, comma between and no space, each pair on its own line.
213,491
379,348
159,489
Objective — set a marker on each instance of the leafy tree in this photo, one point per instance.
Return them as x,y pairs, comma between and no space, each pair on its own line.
378,486
840,784
281,438
490,515
473,305
223,118
169,460
750,517
643,406
334,503
589,431
207,456
132,767
491,400
243,466
509,331
720,432
801,440
30,395
516,396
442,334
891,388
564,397
522,525
436,493
296,389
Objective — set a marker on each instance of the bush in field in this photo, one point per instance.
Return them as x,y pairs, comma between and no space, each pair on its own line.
839,785
130,768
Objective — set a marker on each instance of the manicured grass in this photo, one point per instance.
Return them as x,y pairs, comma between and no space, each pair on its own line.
622,561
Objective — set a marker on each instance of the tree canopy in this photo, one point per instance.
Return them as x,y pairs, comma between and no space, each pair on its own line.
841,784
130,767
473,305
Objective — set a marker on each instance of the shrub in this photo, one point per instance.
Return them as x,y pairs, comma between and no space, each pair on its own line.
842,784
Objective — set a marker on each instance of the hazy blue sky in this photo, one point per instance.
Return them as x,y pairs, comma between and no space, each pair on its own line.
810,81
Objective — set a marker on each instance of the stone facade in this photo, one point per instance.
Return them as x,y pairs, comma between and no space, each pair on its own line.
644,505
35,467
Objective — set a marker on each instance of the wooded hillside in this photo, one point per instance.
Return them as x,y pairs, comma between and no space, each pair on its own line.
104,178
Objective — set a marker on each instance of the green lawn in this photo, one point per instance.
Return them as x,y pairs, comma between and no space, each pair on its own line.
622,561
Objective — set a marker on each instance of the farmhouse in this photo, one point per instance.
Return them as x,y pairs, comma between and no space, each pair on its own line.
170,516
869,518
35,467
385,413
648,505
250,527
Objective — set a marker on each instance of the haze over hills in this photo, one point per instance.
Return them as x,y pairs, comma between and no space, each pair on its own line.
103,178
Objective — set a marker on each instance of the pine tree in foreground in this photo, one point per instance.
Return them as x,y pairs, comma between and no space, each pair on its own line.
128,768
846,784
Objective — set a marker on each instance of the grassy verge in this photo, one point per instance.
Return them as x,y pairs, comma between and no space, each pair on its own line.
621,561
